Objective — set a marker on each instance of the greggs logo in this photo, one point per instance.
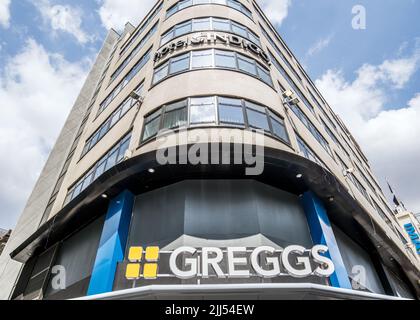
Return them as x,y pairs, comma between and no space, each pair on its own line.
233,262
137,269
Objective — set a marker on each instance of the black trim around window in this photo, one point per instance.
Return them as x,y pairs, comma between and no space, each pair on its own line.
233,4
238,117
212,58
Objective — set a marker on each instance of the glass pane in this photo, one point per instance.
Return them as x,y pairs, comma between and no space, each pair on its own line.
230,101
180,63
167,37
183,29
126,106
234,5
202,110
239,30
247,65
229,114
221,25
225,59
176,118
254,38
264,75
184,4
123,148
99,170
202,59
258,120
201,24
112,160
151,129
278,128
160,73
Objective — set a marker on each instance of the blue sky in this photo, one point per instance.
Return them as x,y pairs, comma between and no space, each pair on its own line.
370,77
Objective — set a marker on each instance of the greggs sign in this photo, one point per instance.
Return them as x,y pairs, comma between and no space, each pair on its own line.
212,38
233,262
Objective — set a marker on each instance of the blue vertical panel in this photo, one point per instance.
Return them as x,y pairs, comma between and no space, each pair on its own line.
112,245
322,233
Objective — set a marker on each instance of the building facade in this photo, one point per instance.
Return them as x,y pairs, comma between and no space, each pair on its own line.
4,237
200,160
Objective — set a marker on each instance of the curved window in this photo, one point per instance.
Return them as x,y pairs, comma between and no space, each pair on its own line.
127,78
211,110
209,24
133,53
109,160
212,58
183,4
111,121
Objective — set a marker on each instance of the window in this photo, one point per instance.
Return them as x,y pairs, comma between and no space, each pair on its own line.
201,24
182,29
278,126
111,121
225,59
141,29
221,24
231,111
134,52
202,59
130,75
176,115
257,116
161,72
180,5
239,30
210,23
202,110
280,54
179,64
247,65
212,58
308,153
222,111
312,129
109,160
151,126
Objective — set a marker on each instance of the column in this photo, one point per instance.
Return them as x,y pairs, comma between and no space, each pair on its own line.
112,244
322,233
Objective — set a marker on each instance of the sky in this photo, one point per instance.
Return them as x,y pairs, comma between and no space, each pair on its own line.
369,75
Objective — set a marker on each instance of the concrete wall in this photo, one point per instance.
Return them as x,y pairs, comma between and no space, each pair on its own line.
32,214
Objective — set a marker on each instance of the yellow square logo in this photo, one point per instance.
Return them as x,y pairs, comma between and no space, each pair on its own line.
150,271
152,254
150,268
133,271
135,254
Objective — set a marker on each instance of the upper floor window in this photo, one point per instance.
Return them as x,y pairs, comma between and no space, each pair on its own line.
180,5
130,75
292,84
212,58
312,129
111,121
139,32
221,111
133,53
209,24
109,160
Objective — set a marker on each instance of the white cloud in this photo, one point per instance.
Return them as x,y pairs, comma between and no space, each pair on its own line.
63,18
276,10
320,45
388,136
36,87
5,13
116,13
